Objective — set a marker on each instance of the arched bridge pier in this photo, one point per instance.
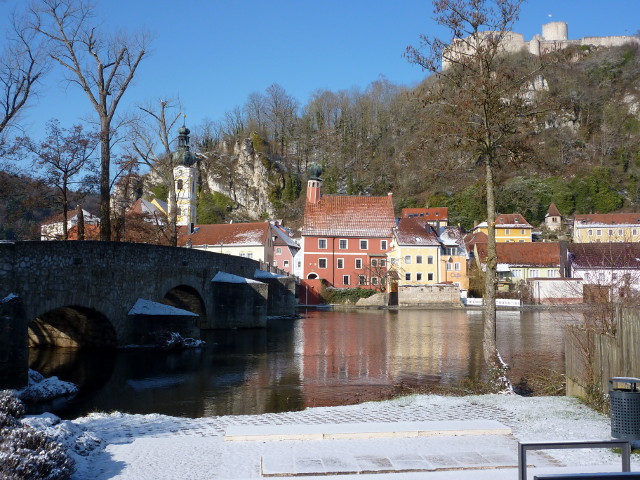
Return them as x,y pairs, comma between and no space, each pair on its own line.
83,294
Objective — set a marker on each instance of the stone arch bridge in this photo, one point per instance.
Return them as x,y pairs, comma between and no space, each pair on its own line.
83,294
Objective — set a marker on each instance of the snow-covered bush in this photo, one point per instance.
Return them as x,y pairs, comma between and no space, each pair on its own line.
27,453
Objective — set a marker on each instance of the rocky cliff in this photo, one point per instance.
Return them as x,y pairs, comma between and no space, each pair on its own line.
246,176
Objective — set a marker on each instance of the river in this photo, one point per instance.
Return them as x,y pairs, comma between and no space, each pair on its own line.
325,358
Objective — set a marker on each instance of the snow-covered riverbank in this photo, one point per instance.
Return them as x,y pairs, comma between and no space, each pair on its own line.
119,446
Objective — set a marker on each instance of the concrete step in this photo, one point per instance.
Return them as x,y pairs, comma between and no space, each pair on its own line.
342,431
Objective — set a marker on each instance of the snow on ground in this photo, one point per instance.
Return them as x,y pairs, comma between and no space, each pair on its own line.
156,447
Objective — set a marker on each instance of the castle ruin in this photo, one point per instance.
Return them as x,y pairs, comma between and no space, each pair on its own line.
555,36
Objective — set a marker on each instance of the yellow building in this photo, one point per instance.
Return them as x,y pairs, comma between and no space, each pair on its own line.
606,227
510,228
415,253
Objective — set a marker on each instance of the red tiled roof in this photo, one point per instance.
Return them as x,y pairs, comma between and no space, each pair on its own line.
605,255
472,238
607,219
512,219
416,231
227,234
553,211
525,253
91,232
349,216
435,213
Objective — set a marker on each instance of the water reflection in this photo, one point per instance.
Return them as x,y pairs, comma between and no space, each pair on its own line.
325,358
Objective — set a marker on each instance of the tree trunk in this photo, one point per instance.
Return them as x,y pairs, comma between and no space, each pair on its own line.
65,213
80,215
105,182
489,335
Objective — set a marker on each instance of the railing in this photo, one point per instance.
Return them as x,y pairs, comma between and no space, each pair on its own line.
500,302
523,447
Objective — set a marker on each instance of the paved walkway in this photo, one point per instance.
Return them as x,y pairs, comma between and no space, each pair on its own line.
435,438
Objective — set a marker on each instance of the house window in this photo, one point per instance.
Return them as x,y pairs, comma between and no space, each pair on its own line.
358,263
610,232
620,232
450,250
374,280
507,231
449,266
430,277
275,263
456,266
635,231
278,251
407,276
418,258
418,277
362,280
322,243
383,262
522,231
407,259
340,263
590,232
552,273
345,279
343,244
534,273
299,264
598,232
286,263
516,273
374,262
430,260
249,255
322,263
364,244
383,244
242,254
180,184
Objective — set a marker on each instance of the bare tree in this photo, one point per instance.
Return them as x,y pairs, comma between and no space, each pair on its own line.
151,137
482,102
22,64
66,158
280,109
102,66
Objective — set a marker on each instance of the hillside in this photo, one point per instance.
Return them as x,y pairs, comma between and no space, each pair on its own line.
584,150
585,144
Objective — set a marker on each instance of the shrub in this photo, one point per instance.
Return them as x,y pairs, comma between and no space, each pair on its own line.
347,295
27,453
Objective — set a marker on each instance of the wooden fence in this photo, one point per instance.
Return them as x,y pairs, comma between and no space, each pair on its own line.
609,355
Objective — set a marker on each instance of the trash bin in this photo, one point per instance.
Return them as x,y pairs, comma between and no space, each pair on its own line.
624,396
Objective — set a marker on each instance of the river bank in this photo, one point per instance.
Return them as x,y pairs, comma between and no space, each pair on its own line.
156,447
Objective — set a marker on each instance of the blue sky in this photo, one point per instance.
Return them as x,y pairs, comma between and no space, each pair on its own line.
213,53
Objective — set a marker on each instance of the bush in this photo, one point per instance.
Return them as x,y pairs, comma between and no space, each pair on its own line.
347,295
27,453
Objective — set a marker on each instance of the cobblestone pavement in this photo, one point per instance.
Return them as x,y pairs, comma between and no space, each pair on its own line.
395,411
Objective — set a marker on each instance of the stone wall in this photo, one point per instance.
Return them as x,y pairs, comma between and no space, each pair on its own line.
13,344
109,277
428,295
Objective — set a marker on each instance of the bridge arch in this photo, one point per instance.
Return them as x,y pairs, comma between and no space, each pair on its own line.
71,326
185,297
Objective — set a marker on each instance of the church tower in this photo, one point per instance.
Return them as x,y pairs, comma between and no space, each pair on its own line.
314,183
184,176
